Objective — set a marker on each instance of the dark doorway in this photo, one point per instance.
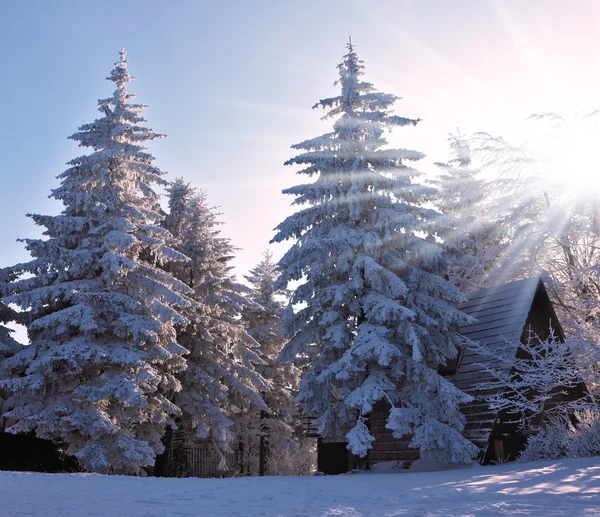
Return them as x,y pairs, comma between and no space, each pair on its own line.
332,457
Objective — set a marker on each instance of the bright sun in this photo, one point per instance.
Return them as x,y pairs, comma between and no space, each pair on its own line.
569,157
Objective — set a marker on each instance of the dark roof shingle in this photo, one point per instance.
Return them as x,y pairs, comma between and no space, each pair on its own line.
501,313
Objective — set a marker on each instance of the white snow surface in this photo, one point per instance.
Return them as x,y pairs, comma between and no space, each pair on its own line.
546,488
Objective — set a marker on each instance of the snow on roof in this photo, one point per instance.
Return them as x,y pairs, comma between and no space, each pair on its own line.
501,313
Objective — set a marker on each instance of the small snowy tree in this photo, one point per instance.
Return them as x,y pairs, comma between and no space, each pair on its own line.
101,366
221,379
540,381
549,442
271,434
475,243
374,314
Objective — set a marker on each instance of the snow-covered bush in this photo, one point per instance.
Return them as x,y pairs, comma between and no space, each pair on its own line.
548,442
562,438
538,384
584,440
299,458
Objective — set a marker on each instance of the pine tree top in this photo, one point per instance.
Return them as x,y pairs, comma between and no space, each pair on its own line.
119,167
120,74
360,99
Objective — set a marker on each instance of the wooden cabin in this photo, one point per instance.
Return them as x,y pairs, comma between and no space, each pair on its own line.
504,313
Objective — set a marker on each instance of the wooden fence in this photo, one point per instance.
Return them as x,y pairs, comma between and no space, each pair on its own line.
201,460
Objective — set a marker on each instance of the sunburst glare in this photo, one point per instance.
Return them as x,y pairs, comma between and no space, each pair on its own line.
565,152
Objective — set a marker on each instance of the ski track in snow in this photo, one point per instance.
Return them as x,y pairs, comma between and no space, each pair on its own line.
558,488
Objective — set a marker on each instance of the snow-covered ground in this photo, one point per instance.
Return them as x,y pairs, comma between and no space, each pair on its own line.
558,488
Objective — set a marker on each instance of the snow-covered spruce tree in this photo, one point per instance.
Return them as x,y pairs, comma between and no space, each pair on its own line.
221,379
100,369
475,243
516,203
271,437
374,314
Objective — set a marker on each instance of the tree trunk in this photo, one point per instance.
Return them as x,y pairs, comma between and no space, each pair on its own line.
241,456
161,466
264,445
368,457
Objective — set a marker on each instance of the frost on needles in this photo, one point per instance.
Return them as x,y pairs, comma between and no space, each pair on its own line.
373,315
100,370
475,243
271,434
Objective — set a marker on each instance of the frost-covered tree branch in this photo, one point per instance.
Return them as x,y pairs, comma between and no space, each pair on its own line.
541,381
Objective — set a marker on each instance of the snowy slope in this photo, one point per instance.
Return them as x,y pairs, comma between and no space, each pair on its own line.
569,487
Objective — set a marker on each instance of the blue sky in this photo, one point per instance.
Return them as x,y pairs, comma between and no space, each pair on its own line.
232,83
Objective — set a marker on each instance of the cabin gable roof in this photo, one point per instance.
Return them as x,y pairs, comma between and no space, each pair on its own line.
502,313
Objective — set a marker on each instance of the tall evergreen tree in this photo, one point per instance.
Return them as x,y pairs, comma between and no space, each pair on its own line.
101,365
475,243
374,313
222,378
272,434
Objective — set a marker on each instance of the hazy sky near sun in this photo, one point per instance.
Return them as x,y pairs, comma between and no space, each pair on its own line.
231,83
